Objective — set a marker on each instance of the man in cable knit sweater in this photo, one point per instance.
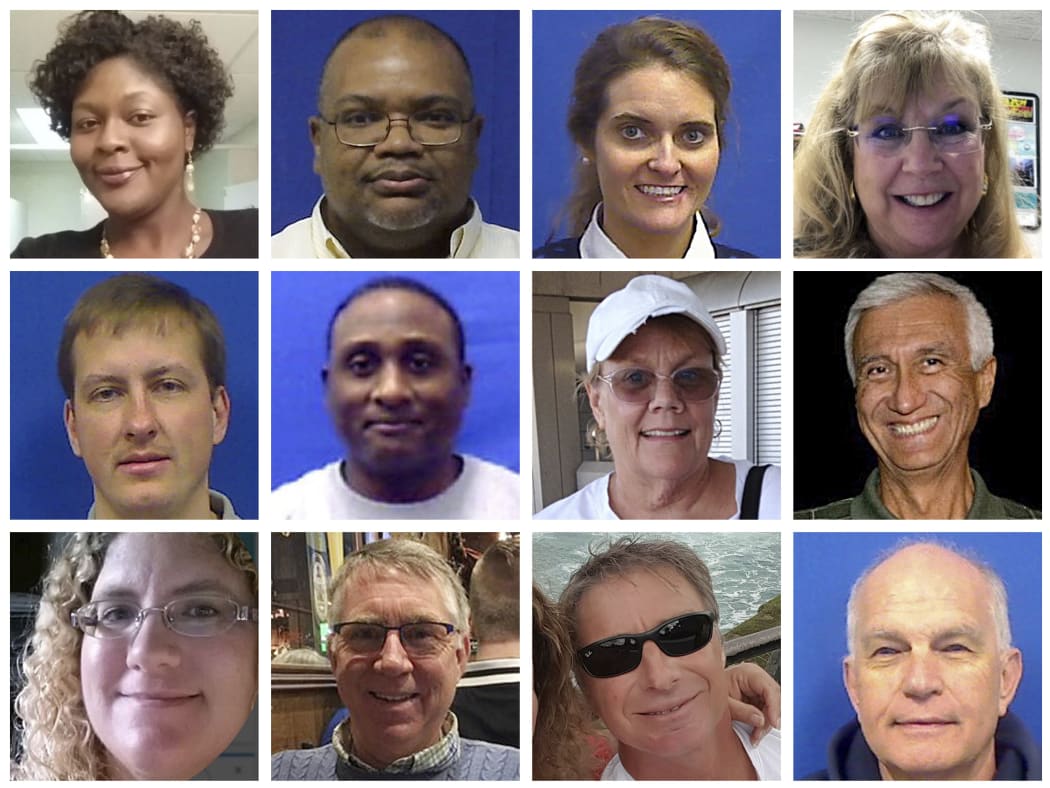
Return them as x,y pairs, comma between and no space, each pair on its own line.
399,644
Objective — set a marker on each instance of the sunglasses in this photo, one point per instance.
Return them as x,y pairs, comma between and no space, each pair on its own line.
675,637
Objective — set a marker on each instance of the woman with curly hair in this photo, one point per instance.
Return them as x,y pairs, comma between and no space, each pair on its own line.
906,152
138,100
113,692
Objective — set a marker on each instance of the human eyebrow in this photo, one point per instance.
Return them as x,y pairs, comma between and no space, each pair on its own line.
91,381
203,586
629,117
167,370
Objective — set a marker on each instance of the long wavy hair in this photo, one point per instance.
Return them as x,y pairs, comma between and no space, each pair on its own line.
559,747
58,742
895,57
619,49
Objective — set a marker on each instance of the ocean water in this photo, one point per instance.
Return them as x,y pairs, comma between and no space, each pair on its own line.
745,567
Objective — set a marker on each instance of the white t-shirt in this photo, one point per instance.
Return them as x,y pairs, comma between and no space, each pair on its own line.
483,491
765,757
592,502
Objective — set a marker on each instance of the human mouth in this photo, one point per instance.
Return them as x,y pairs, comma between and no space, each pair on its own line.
667,710
116,176
394,699
393,427
400,183
924,724
143,464
160,699
665,433
923,200
651,190
916,428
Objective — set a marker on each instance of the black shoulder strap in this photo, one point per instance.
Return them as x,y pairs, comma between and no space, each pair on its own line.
752,492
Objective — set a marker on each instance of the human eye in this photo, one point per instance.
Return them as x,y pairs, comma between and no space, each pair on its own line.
632,132
694,136
357,118
363,637
875,371
885,651
85,124
635,378
956,648
141,117
886,132
691,377
104,394
115,615
931,364
439,117
361,364
420,363
423,637
170,386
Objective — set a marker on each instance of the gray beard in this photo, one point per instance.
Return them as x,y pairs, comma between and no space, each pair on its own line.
422,216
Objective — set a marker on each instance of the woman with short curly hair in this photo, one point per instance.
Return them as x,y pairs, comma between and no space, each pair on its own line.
137,101
112,692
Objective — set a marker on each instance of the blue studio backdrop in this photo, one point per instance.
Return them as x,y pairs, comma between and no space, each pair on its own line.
746,194
827,565
47,480
300,42
303,437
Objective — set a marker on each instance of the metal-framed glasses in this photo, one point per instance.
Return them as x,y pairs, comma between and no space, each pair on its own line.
418,638
952,135
195,616
366,128
675,637
635,384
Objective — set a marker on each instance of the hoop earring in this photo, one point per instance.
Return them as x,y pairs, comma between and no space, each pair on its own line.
189,173
718,429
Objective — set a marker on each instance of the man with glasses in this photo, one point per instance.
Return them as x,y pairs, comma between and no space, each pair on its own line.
395,143
399,644
643,619
919,350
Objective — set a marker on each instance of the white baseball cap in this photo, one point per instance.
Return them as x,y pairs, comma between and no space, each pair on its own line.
625,311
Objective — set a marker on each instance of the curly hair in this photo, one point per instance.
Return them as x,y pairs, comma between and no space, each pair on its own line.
559,748
58,742
178,56
894,58
618,50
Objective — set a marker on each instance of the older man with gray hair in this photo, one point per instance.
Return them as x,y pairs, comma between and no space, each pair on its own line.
931,673
919,350
399,643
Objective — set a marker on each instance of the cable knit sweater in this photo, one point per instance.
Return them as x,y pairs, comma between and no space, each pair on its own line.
478,760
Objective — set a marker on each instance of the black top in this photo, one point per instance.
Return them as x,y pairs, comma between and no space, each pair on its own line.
570,247
235,234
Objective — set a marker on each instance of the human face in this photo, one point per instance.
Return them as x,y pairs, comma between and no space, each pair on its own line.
917,395
129,139
656,153
396,387
918,202
165,705
667,707
397,703
144,421
398,195
666,438
927,675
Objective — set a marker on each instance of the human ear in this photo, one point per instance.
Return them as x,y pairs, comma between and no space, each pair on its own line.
220,409
596,408
70,418
1011,669
189,123
986,381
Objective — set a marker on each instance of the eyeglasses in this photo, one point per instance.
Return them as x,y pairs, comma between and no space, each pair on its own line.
952,136
197,616
365,129
418,639
623,653
632,384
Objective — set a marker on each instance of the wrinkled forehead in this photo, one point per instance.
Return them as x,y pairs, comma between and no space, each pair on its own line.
432,587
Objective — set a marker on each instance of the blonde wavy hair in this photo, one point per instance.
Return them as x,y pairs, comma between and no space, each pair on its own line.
895,57
58,742
559,746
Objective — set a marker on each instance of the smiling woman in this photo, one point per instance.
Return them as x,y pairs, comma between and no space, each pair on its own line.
648,117
112,692
137,101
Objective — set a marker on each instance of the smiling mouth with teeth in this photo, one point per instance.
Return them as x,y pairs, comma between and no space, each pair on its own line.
392,698
922,200
660,191
919,427
664,433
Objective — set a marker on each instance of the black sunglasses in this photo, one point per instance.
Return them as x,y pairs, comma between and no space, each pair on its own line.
675,637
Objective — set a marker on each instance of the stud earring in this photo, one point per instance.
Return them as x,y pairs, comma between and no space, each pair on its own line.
189,173
852,192
585,159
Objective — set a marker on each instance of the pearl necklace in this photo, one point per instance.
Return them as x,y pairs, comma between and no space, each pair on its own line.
191,247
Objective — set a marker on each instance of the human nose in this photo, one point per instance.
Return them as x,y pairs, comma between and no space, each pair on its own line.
140,416
908,393
392,658
665,394
665,160
399,139
658,671
919,153
153,645
922,675
112,135
391,388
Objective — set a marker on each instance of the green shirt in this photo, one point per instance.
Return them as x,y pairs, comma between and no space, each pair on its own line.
869,506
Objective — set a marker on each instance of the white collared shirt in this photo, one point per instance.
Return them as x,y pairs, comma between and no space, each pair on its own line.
596,244
311,238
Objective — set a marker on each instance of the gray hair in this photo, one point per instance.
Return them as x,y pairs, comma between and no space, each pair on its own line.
403,556
891,288
996,588
634,554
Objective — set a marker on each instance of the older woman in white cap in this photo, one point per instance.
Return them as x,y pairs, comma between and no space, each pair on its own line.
654,366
